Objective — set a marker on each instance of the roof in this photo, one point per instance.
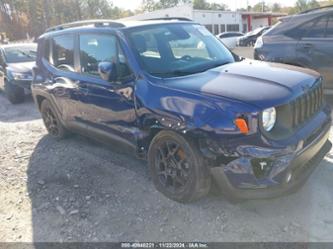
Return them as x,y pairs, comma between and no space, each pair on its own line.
91,25
133,23
116,24
308,15
253,13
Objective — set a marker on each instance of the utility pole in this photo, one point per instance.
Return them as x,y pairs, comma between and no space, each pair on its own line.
263,6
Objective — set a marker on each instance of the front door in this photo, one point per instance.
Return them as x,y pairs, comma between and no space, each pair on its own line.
107,98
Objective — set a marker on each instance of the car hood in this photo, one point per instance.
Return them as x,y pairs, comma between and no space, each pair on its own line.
22,67
258,83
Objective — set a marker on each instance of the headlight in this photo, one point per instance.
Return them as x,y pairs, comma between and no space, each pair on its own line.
259,42
21,76
269,118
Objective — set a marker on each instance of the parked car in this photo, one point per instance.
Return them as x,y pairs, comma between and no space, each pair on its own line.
16,63
196,115
249,39
230,38
304,40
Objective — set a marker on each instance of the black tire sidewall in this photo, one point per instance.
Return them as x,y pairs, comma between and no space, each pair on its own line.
45,105
198,184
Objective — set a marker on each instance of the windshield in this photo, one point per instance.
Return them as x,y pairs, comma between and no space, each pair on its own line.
20,54
177,50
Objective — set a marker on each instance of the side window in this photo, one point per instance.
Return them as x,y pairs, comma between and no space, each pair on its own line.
318,29
312,29
329,30
301,30
63,52
96,49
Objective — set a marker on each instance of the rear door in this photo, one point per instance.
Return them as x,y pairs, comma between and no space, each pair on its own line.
315,48
62,77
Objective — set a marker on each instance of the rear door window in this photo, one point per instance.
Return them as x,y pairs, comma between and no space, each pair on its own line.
63,52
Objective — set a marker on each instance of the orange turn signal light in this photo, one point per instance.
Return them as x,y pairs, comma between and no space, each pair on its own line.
242,125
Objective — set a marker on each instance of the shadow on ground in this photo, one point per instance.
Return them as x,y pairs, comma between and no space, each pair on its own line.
84,191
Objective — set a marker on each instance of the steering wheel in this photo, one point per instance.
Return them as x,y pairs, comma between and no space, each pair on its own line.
186,57
66,67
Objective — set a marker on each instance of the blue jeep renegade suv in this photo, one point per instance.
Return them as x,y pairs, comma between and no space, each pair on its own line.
169,90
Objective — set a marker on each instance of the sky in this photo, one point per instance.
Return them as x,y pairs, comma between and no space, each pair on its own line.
233,4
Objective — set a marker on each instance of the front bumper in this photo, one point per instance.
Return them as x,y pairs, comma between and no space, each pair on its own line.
288,170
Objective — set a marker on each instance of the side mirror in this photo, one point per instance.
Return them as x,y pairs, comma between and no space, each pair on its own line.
106,71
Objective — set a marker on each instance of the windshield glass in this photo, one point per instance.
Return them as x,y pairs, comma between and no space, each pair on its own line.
20,53
176,50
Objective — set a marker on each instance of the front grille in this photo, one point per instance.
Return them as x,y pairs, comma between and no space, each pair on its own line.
305,106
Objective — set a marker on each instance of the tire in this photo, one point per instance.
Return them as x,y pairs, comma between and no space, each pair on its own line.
177,167
14,94
51,120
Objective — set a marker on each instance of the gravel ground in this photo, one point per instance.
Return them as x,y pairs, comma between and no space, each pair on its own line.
78,190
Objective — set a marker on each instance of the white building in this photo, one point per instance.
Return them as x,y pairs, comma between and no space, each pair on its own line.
215,21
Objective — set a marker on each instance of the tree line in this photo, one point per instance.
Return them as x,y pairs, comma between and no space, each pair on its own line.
19,18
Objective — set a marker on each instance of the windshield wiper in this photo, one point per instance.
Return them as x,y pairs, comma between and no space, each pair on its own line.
184,73
172,73
218,64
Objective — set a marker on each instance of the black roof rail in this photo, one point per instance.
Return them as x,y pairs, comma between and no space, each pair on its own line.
319,8
96,22
169,19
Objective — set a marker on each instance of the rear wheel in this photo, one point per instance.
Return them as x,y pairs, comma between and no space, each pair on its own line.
177,167
51,120
14,94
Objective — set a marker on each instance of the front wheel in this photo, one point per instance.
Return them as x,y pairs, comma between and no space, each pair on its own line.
14,94
177,167
51,120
